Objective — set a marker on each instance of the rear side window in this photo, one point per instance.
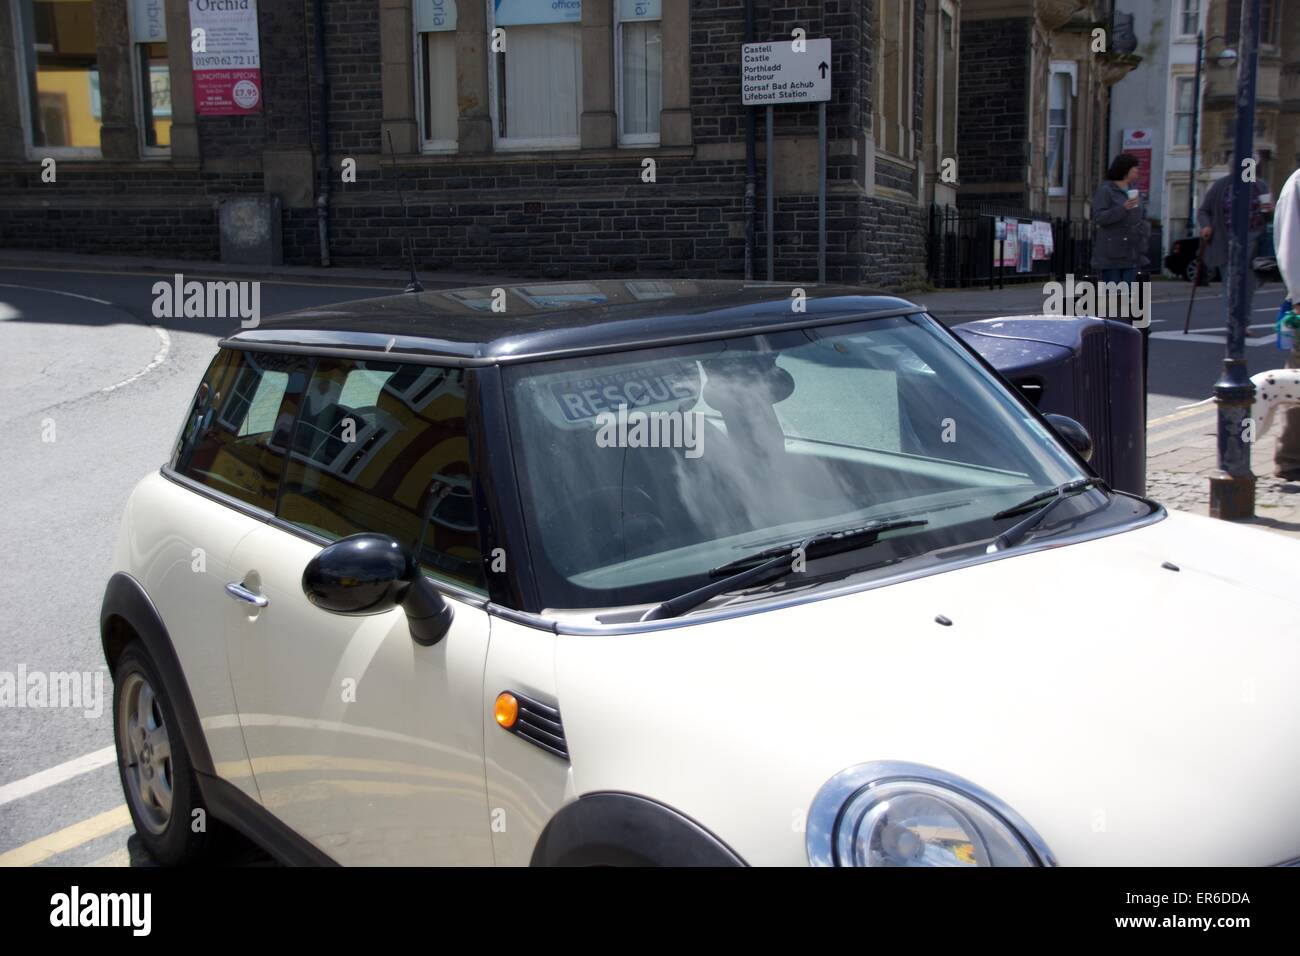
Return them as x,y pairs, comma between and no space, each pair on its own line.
236,434
383,447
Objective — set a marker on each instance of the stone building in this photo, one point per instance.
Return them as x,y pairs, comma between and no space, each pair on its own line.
1161,95
526,156
1033,102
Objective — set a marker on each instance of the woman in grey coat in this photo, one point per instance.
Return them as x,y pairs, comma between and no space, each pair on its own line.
1119,246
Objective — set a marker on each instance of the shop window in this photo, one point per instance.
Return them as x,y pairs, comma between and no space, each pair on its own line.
62,71
639,35
152,73
435,31
537,77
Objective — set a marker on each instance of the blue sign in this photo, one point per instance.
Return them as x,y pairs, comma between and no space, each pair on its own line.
521,12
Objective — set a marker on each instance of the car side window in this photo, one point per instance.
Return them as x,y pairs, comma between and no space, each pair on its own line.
383,447
237,430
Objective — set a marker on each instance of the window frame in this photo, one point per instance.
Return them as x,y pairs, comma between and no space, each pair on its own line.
26,74
419,78
517,143
505,589
1068,68
1184,10
626,139
307,462
138,88
1176,80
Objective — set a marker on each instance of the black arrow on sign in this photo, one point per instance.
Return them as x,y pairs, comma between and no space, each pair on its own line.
823,67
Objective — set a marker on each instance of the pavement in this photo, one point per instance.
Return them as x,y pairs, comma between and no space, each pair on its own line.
1182,454
333,275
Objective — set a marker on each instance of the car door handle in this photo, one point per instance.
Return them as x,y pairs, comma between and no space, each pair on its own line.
240,593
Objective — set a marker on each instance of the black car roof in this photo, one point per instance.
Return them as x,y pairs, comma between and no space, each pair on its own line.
550,319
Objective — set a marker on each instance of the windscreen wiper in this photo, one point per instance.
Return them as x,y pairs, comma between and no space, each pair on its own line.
1053,497
776,562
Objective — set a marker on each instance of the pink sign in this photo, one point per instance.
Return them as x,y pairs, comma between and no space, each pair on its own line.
226,57
1139,142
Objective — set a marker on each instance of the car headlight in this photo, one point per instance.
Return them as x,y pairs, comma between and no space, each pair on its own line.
902,814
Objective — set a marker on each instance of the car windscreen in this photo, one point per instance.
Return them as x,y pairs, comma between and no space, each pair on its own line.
641,471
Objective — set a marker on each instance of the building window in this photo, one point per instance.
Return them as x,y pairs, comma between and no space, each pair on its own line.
435,33
1190,17
1270,22
1060,120
946,86
1184,109
60,59
639,49
153,78
894,48
537,77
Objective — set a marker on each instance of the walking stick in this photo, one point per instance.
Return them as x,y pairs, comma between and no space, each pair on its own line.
1200,264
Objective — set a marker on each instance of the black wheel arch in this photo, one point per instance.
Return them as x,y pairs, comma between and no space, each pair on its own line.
611,828
128,614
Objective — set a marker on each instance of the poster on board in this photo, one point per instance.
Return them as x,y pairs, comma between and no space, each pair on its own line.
228,67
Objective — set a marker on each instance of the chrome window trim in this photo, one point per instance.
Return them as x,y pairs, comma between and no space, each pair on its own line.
834,795
458,592
563,624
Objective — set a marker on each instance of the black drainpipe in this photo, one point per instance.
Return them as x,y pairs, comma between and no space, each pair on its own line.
323,150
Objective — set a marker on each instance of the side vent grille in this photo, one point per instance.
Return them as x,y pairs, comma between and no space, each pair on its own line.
540,724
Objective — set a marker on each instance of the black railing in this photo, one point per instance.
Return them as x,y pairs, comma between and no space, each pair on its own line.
966,247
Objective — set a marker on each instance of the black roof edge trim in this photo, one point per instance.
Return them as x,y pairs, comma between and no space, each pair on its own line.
612,828
301,348
802,321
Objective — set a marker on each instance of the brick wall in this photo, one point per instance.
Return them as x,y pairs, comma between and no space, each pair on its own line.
468,214
992,104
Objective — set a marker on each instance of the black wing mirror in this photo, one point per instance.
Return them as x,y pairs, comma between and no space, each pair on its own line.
371,574
1075,435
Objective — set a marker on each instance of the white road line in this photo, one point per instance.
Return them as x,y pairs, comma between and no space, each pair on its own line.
56,775
158,359
164,339
70,295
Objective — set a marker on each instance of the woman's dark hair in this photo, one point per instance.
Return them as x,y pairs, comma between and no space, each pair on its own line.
1120,165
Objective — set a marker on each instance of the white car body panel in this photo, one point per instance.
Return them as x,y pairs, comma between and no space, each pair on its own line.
1132,715
526,784
176,543
361,740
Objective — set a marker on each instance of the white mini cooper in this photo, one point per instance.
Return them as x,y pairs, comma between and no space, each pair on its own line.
680,573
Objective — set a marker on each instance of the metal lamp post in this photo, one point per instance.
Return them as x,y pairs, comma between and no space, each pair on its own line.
1232,489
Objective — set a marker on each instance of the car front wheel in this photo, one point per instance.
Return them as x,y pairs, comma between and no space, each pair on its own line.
157,777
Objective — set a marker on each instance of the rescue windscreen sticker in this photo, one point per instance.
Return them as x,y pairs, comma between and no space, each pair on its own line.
642,386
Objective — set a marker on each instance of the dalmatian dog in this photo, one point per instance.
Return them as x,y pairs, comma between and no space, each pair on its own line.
1273,390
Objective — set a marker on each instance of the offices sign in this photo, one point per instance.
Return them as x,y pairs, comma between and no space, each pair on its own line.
521,12
228,71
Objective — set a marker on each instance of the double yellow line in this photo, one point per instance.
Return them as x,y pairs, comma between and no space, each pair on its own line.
69,838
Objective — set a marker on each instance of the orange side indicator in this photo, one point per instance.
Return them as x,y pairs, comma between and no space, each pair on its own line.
507,709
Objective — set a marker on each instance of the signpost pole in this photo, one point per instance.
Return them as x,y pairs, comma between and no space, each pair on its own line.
821,192
771,200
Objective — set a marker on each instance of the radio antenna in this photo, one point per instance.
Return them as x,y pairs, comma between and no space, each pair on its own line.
414,284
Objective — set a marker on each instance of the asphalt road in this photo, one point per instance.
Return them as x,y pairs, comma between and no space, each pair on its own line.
92,392
91,396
